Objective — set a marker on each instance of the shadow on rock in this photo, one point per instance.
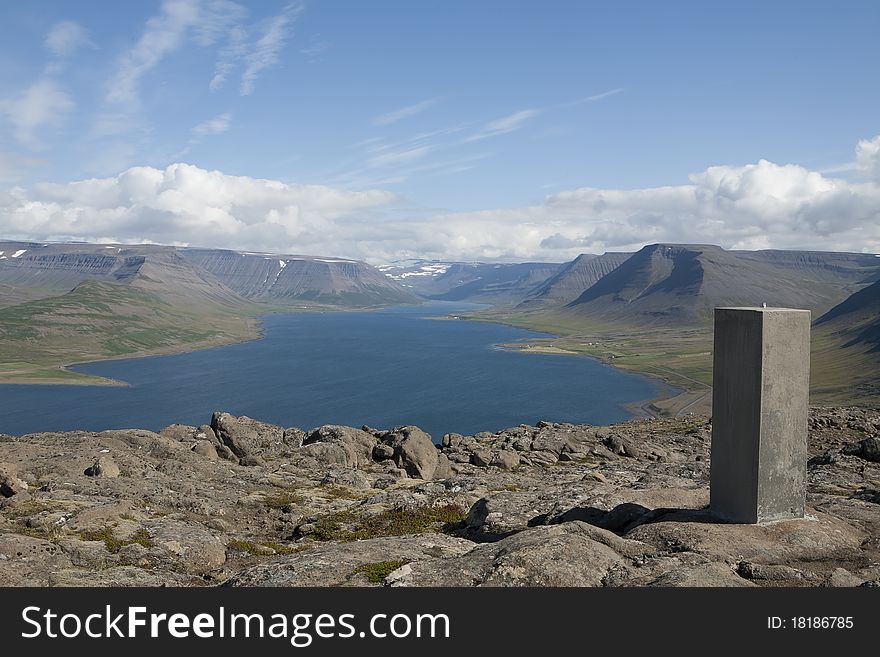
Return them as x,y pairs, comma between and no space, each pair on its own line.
625,517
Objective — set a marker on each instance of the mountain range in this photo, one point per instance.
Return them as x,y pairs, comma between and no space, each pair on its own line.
71,302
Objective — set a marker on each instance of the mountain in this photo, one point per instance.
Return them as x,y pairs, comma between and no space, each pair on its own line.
498,283
846,349
856,320
672,284
75,302
573,279
287,279
30,271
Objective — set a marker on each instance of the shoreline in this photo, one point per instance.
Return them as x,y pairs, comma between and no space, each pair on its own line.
660,406
672,400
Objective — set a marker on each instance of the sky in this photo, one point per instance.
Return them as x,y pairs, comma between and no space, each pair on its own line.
453,130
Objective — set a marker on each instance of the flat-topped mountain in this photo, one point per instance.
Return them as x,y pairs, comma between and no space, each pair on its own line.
291,278
681,284
31,271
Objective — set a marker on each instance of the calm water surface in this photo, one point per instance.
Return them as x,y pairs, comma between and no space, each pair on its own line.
383,368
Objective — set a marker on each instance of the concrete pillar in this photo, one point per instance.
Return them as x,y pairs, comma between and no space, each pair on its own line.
760,399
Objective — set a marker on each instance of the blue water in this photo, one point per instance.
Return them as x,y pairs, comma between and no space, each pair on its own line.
383,368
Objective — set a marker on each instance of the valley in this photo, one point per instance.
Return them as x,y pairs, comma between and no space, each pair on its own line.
648,312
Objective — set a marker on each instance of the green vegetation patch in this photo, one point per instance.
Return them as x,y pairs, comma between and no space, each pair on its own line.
345,526
113,544
377,572
282,499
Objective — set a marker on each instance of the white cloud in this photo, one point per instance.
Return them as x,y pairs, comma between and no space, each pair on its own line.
868,158
217,125
43,104
234,50
184,204
506,124
163,34
67,37
405,112
761,205
268,47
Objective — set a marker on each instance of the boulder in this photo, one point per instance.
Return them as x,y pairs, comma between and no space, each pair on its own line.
103,467
414,451
505,459
10,484
248,437
868,449
333,445
293,437
206,449
383,452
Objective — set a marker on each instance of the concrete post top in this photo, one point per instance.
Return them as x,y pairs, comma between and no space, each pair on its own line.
759,309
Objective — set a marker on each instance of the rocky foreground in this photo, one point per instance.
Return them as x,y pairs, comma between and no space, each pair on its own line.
243,503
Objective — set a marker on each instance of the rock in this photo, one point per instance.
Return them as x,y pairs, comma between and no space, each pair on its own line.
868,449
840,577
711,574
444,467
10,484
333,445
103,467
248,437
206,449
205,432
414,451
225,453
596,476
558,555
505,459
383,452
294,437
481,458
192,547
337,564
178,432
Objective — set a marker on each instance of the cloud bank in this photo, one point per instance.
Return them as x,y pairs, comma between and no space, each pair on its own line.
761,205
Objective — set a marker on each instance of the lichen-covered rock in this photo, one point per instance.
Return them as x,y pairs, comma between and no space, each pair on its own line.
414,451
333,445
248,437
624,505
560,555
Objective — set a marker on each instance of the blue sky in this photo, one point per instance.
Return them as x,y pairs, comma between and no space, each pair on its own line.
455,118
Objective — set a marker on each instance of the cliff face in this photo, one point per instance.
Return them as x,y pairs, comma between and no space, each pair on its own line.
30,271
285,278
245,503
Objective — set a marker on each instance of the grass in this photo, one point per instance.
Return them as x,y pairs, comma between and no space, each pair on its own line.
377,572
682,356
97,321
113,544
281,499
336,492
345,526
